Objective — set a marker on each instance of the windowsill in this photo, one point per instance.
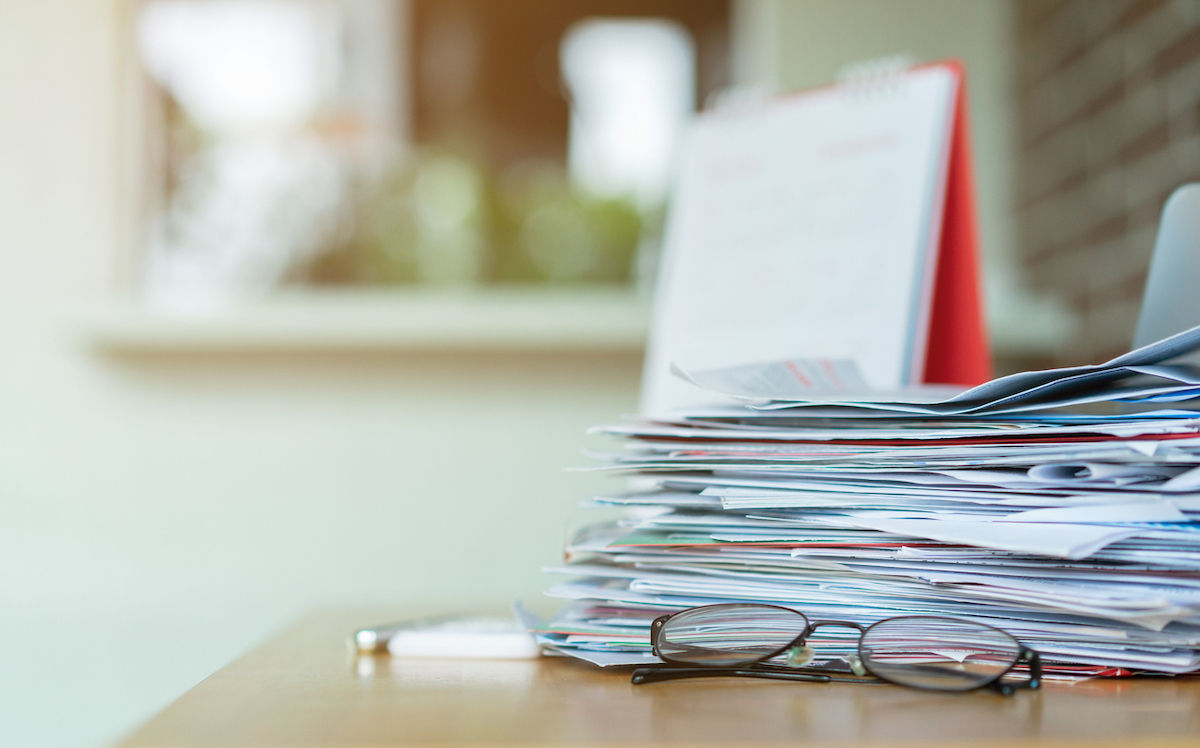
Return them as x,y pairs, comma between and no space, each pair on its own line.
587,319
535,319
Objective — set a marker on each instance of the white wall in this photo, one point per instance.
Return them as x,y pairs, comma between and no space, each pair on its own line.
60,207
160,514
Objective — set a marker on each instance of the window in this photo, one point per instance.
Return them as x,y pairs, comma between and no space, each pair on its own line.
452,142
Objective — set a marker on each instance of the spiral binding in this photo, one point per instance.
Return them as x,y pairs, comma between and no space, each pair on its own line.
876,75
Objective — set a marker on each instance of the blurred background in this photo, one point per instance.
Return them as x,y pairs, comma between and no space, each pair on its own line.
309,302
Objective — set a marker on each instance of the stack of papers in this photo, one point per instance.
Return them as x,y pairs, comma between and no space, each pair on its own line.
1062,506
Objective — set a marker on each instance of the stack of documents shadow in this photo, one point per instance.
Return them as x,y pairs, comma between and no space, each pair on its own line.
1062,506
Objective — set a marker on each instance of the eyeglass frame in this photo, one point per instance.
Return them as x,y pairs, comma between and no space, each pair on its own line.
679,669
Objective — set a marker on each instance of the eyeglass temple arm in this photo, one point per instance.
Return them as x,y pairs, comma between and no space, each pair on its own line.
645,675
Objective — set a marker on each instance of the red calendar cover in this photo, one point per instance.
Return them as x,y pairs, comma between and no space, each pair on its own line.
957,350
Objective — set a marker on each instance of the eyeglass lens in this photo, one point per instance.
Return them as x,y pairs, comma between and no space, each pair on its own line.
727,635
939,653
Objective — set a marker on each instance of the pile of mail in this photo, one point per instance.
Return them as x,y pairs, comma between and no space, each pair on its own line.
1062,506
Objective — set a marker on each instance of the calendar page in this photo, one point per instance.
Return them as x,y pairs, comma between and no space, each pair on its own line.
805,227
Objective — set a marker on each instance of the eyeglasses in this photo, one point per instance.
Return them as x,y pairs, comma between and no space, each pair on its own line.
930,652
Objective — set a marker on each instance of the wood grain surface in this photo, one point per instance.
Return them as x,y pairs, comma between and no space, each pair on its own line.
305,688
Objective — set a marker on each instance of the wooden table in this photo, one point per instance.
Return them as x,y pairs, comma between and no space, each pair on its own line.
304,688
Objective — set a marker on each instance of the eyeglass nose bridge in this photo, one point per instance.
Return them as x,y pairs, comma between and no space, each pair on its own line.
800,654
814,625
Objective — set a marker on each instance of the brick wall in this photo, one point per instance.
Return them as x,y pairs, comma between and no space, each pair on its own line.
1108,99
